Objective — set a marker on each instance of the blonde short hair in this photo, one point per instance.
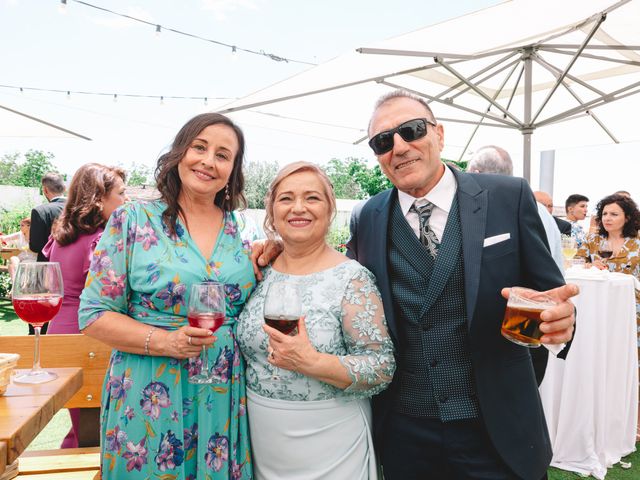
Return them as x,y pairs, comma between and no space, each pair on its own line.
285,172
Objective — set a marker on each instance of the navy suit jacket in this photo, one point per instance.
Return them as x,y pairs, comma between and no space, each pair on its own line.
489,205
42,218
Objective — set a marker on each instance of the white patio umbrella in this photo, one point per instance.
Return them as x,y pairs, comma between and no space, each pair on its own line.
562,73
18,124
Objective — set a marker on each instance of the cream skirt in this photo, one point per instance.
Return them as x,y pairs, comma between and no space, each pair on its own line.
325,439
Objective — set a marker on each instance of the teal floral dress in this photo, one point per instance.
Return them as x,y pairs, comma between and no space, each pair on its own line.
154,424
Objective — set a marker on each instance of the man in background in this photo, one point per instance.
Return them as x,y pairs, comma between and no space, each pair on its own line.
493,159
545,199
42,218
576,206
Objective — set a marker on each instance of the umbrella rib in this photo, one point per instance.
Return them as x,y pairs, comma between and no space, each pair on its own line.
491,75
498,91
554,71
477,90
593,31
594,57
596,102
444,102
45,123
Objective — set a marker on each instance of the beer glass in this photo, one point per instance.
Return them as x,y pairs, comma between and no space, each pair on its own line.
521,322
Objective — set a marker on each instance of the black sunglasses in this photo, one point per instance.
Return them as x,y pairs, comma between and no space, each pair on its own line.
408,131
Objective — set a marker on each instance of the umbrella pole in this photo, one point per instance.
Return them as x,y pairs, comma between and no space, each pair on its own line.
527,131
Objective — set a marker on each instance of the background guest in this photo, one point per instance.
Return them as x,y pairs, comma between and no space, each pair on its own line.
545,199
154,422
315,421
576,206
618,221
19,240
42,218
95,192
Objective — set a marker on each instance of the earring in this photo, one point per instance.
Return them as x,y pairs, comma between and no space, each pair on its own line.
227,197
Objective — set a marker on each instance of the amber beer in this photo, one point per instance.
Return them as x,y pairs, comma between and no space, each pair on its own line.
522,325
521,322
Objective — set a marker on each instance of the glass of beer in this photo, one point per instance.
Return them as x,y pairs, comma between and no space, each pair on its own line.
521,322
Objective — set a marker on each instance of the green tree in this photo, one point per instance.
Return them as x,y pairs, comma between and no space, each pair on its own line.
36,164
138,175
353,179
9,168
257,178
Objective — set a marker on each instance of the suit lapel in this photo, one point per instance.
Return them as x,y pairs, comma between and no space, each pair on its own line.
378,235
472,201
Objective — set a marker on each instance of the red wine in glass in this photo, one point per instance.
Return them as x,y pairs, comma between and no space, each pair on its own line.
37,309
605,254
206,309
283,323
210,320
282,309
37,298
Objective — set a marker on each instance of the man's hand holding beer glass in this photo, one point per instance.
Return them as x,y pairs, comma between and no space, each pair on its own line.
557,317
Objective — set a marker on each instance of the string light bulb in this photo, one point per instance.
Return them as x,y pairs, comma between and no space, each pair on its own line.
62,8
158,30
68,95
206,101
115,98
234,53
162,100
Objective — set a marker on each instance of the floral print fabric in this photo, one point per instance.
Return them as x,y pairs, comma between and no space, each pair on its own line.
156,425
626,261
344,317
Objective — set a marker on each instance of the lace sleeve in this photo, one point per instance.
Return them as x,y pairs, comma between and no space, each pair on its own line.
370,361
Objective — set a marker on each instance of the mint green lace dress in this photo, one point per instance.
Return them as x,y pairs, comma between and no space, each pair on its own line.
154,424
302,428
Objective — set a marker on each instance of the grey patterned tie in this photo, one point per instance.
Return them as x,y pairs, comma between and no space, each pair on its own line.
427,236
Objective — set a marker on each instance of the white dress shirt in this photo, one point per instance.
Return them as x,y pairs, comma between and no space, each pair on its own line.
441,196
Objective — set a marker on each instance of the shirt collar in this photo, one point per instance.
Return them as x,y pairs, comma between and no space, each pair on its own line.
441,195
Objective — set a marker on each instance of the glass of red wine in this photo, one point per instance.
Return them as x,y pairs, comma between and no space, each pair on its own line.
207,309
604,250
37,298
282,310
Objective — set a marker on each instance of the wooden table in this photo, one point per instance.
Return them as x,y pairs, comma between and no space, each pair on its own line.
26,409
7,253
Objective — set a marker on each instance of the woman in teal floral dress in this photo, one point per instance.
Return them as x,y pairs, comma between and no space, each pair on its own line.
155,424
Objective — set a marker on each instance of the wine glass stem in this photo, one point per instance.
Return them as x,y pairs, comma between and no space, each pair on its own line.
36,353
205,360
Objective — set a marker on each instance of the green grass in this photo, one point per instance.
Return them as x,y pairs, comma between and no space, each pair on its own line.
51,437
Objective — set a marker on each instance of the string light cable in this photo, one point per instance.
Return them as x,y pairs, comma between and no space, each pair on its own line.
114,96
160,28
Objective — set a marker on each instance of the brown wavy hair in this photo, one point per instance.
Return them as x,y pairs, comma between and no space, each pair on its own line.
631,213
286,171
83,211
168,180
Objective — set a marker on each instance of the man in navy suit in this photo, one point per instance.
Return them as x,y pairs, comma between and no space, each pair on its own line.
42,218
444,247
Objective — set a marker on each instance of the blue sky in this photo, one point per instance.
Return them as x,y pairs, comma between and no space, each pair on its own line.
88,50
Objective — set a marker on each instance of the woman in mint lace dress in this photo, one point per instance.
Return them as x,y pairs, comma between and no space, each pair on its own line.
155,424
314,422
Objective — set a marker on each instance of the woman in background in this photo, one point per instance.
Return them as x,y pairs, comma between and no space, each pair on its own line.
19,240
95,192
618,221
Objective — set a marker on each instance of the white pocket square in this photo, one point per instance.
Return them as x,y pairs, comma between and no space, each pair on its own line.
496,239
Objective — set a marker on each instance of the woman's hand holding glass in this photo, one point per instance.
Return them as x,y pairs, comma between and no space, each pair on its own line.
176,343
291,352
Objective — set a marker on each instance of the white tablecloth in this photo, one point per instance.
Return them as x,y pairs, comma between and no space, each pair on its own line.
591,398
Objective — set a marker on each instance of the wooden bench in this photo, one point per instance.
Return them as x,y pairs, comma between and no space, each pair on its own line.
64,351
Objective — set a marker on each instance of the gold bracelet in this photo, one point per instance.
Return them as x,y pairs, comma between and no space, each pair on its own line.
147,340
